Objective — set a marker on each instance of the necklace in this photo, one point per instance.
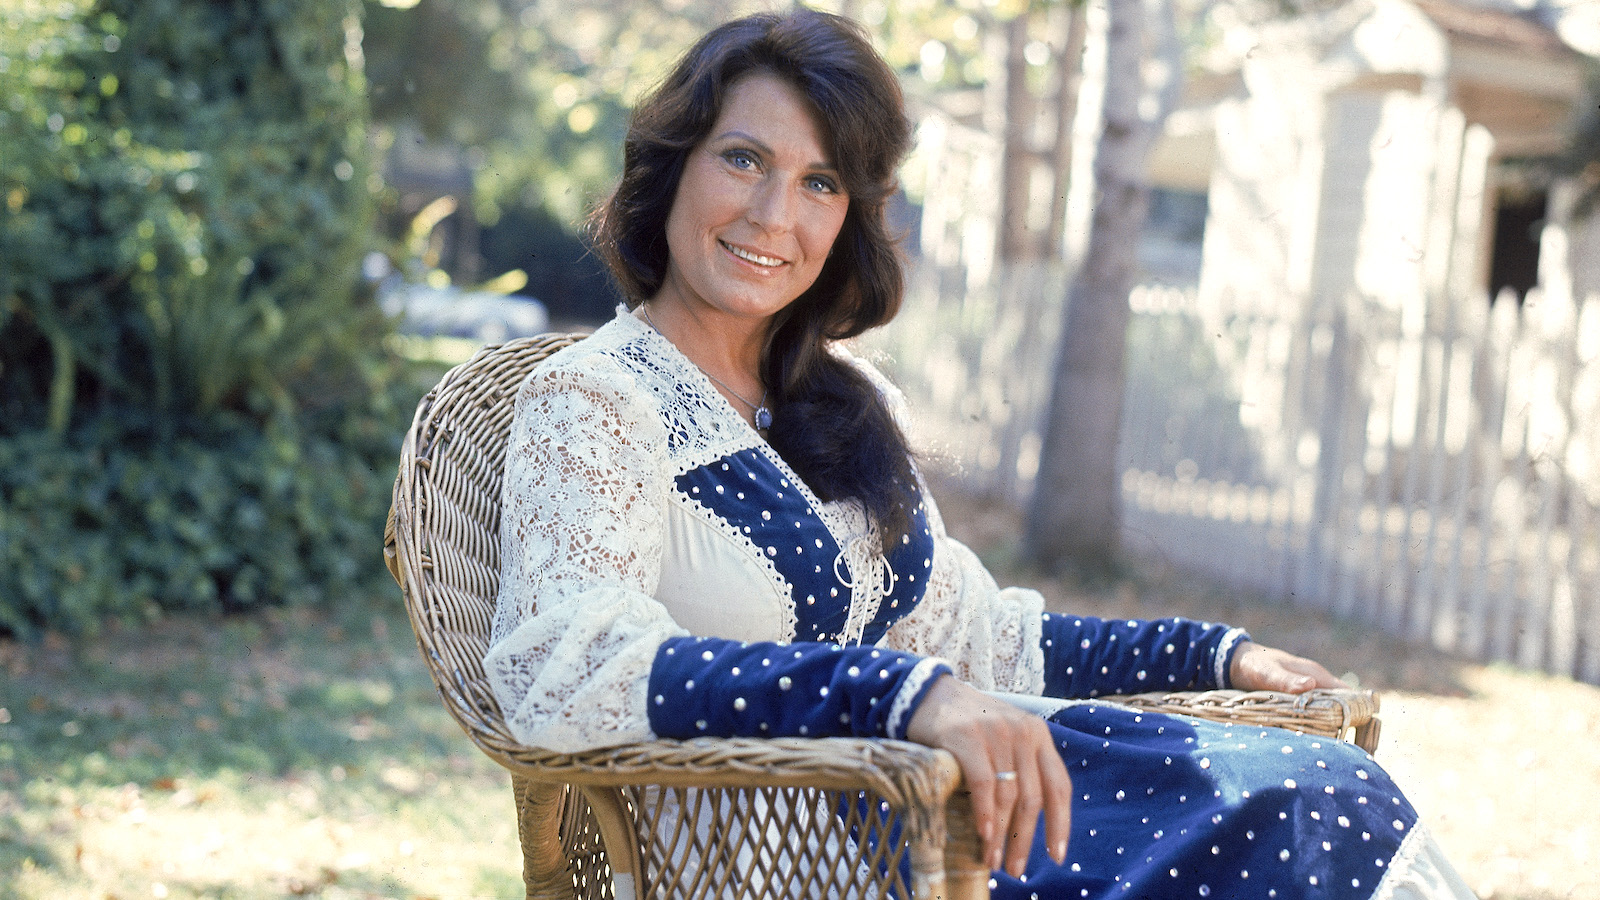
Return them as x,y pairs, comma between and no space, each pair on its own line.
763,415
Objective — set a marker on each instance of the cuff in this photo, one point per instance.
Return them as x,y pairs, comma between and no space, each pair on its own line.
911,694
1222,661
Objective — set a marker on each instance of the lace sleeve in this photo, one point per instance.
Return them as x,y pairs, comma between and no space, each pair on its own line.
990,635
582,529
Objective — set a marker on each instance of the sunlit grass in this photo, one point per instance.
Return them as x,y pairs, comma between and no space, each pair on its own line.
293,753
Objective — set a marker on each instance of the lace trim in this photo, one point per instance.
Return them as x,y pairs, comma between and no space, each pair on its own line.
865,598
1220,658
709,428
909,689
845,520
790,621
713,429
706,425
990,635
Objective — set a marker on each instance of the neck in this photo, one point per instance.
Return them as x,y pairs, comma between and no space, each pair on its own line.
729,351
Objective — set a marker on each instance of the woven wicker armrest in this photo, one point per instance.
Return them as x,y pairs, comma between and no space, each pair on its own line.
902,772
1342,713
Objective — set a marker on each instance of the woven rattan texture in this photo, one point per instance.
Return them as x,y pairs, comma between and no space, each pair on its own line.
769,813
759,842
586,855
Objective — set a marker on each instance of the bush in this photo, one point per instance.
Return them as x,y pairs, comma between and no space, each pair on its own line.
196,405
104,531
187,199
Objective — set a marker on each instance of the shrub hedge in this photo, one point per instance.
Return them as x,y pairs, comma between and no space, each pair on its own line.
196,406
96,531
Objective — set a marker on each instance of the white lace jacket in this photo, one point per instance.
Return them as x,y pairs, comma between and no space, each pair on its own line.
640,508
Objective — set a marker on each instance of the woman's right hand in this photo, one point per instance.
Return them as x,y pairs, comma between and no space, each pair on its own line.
989,736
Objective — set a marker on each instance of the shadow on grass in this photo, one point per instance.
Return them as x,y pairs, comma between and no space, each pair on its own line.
327,714
269,695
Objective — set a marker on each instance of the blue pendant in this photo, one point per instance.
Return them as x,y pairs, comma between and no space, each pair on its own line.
763,418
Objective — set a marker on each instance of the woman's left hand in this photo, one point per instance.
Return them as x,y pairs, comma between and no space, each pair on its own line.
1258,668
1010,766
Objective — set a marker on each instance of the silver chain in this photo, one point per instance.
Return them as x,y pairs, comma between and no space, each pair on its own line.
763,415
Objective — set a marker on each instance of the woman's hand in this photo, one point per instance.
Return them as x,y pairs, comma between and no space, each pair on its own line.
1258,668
991,738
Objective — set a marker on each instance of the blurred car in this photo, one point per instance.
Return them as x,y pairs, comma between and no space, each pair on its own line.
451,312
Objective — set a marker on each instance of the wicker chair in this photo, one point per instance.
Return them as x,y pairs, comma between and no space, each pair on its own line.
780,818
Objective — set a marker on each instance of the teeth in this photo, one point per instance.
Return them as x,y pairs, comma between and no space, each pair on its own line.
756,258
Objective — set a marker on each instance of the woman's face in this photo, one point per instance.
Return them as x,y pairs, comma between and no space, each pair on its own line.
758,206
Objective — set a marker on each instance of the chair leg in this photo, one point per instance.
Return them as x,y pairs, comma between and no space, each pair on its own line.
954,871
622,846
1368,733
545,871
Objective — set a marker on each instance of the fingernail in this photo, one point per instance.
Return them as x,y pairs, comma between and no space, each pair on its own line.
1059,852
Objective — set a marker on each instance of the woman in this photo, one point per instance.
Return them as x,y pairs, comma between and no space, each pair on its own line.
713,526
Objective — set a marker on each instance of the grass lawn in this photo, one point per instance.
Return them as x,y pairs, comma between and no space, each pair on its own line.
284,754
304,753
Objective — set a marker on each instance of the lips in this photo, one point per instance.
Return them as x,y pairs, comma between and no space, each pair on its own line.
751,256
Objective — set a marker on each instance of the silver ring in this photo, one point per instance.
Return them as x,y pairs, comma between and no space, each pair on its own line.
1005,776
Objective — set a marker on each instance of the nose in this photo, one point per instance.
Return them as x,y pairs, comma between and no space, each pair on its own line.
772,208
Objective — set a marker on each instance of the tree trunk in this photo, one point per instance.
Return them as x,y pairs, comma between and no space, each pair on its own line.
1069,81
1075,515
1016,156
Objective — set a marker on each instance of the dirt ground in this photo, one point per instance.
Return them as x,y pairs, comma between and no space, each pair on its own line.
1503,764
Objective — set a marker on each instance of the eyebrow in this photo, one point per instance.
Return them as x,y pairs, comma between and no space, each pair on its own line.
766,150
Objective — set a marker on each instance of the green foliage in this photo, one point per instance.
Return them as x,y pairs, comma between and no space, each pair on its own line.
197,406
187,203
536,92
110,531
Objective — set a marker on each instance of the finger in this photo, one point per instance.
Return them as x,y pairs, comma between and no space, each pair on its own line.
1321,677
978,773
1270,669
1024,817
1055,792
1007,787
1293,682
1299,674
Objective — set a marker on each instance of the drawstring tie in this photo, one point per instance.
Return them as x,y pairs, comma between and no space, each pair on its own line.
877,580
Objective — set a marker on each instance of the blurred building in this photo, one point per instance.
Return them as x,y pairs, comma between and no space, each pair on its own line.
1391,149
1322,405
1396,151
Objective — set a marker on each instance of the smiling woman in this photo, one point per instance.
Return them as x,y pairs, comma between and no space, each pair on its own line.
755,218
667,569
775,137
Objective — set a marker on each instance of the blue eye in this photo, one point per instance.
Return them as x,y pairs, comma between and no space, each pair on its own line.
822,185
741,159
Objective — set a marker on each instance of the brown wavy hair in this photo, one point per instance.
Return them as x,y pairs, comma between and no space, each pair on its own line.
830,423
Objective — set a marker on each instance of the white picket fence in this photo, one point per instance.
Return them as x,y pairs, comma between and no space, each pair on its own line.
1439,479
